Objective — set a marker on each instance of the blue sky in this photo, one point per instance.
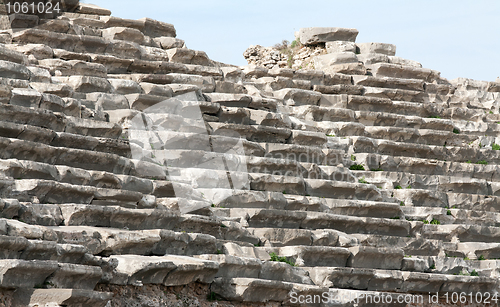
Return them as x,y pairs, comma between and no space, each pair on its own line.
458,38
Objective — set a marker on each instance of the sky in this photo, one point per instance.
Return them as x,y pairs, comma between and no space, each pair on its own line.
458,38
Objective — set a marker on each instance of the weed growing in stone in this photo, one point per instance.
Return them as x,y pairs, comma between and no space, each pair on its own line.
357,167
277,258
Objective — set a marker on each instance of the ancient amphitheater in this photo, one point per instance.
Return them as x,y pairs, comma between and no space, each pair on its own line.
137,172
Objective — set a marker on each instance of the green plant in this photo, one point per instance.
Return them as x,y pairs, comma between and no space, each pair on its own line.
402,203
377,170
211,296
332,135
353,158
435,116
213,205
481,258
398,187
495,146
484,162
456,131
277,258
435,222
448,212
466,258
223,226
294,44
219,252
357,167
491,112
432,267
408,187
284,192
474,273
407,256
425,221
468,161
362,180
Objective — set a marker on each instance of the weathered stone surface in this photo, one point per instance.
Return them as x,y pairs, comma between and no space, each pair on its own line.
309,36
387,49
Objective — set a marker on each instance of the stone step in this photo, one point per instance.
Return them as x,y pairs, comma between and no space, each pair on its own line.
26,273
168,270
61,297
441,183
241,267
455,154
451,265
318,220
63,139
392,280
404,72
294,294
451,216
74,276
279,237
464,233
424,166
395,83
49,191
49,120
394,105
139,242
91,218
18,247
245,116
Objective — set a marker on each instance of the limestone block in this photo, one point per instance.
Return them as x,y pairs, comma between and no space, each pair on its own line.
251,290
340,89
25,274
229,87
39,51
232,266
23,21
114,65
75,276
340,46
25,97
61,297
52,102
408,72
5,94
7,54
109,101
310,36
87,84
375,258
124,49
233,74
74,67
229,100
91,9
124,87
122,33
324,61
316,255
406,62
14,70
280,271
308,138
296,97
387,49
154,28
373,58
59,89
169,42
